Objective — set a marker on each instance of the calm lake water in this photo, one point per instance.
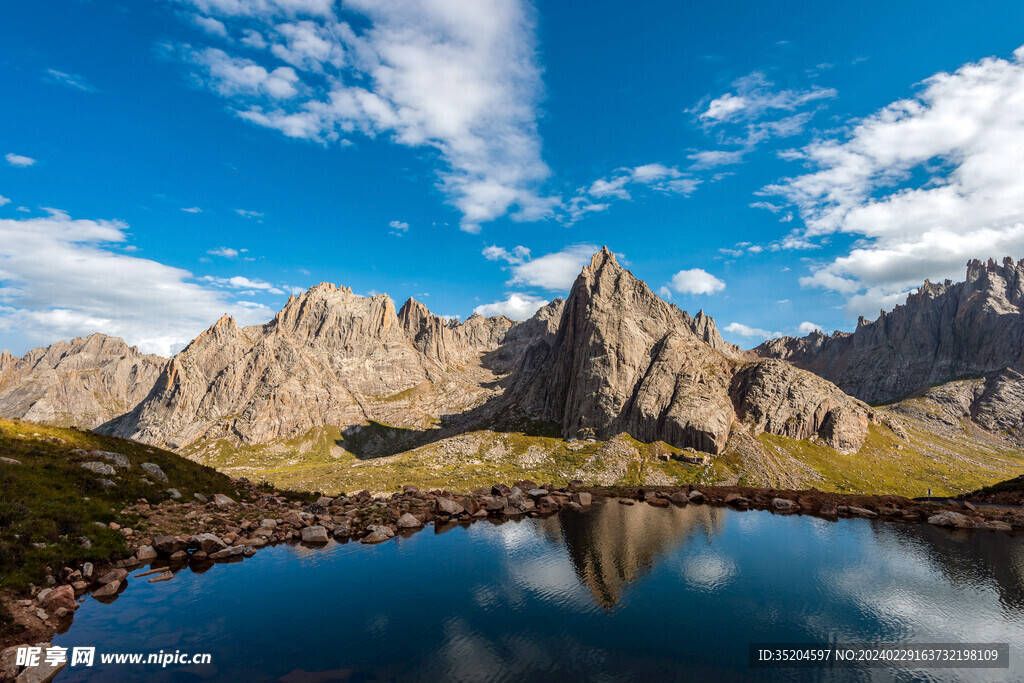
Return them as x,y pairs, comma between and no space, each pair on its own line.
614,593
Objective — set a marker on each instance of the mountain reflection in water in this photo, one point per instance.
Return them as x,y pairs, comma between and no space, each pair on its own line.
614,545
613,593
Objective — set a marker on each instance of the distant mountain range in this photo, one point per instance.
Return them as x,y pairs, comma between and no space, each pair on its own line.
612,358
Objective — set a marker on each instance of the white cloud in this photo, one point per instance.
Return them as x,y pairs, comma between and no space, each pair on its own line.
73,81
755,95
516,306
192,209
725,107
18,160
519,254
226,252
555,271
459,77
696,281
398,228
248,214
748,331
665,293
232,76
60,277
805,328
656,176
924,184
712,158
4,200
210,25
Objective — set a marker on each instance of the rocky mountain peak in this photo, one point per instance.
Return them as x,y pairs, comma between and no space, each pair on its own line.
84,381
942,331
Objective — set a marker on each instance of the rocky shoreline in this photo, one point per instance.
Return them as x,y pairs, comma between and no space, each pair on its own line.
201,533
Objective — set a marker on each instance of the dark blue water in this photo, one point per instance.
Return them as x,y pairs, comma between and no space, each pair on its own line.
616,593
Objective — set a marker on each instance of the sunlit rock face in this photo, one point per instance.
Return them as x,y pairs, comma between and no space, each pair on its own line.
624,360
82,382
329,357
944,331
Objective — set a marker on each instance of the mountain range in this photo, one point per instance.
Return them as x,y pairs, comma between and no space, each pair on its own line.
613,360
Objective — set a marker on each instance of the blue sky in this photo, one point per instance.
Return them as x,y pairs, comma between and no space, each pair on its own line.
780,165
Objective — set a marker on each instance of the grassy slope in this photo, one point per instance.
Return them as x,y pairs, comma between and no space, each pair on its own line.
50,500
947,464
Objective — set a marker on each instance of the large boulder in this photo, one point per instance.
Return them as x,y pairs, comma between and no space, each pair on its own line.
168,545
378,534
208,543
314,534
951,519
154,472
97,467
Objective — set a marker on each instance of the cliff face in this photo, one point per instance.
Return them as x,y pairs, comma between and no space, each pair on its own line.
942,332
447,342
329,357
82,382
623,360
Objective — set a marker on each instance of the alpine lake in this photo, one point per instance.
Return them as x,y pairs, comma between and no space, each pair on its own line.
616,592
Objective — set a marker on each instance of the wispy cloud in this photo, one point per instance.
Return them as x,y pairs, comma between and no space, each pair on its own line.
398,228
192,209
248,214
73,81
461,78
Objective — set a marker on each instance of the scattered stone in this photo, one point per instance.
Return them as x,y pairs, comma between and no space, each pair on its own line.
342,530
112,576
179,556
268,523
657,502
696,497
146,553
449,507
679,498
154,471
861,512
233,551
208,543
951,519
87,569
583,498
220,500
175,494
782,504
378,534
97,467
116,459
10,461
164,576
200,498
737,501
168,545
107,590
324,501
408,521
314,534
